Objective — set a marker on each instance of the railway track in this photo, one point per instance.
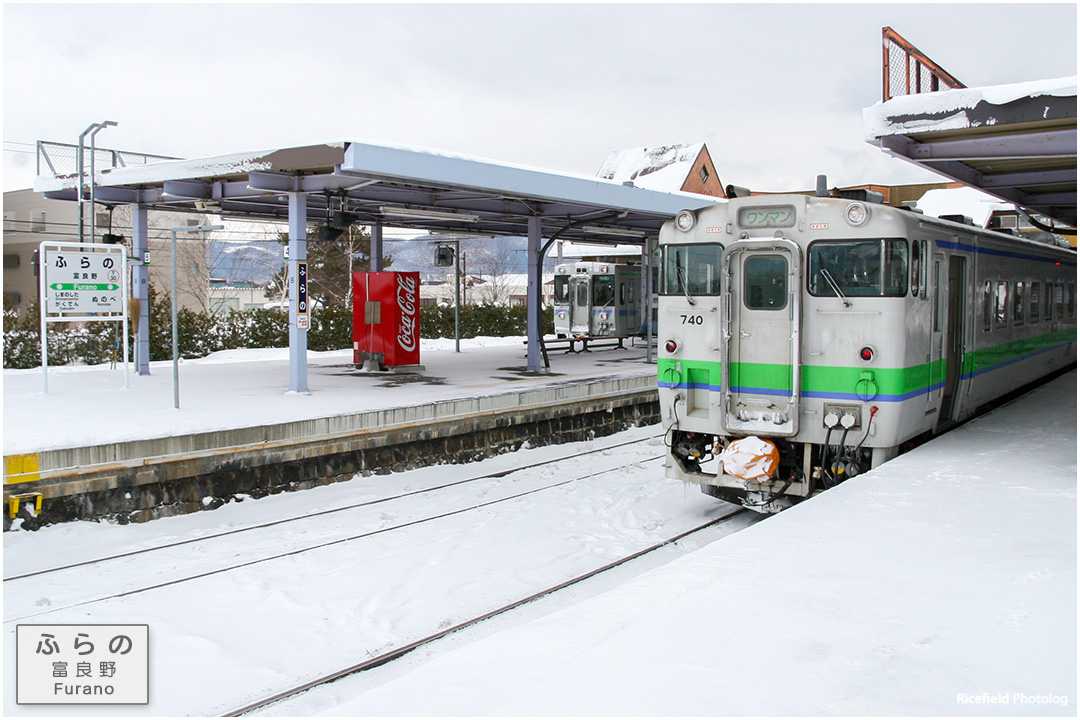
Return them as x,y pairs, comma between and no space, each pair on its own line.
392,654
56,575
331,511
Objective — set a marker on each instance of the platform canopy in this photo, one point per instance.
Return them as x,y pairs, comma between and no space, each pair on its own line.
1015,142
395,186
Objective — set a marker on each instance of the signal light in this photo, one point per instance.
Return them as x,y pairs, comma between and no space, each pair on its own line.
110,239
866,354
671,346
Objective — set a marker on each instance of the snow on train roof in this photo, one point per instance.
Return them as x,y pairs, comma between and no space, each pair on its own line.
948,109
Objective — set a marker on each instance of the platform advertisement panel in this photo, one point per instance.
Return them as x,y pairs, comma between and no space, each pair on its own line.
386,318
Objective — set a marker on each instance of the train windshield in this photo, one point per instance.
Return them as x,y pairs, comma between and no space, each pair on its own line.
562,289
865,268
603,290
692,269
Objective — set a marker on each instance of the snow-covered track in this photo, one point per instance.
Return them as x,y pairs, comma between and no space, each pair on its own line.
392,654
322,513
456,509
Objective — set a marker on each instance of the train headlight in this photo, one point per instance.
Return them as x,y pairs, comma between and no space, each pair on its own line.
685,220
857,214
866,354
671,346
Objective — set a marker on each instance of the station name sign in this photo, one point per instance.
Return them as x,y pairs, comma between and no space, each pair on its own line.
84,282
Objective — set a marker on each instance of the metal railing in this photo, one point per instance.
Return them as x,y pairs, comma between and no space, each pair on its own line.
62,159
907,71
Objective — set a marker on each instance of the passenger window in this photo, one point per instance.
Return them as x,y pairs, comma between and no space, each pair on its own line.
1071,293
1033,302
1001,303
916,265
1048,302
1059,301
1018,303
939,292
765,282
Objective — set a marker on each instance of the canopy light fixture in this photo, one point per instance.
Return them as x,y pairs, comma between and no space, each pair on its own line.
417,214
622,232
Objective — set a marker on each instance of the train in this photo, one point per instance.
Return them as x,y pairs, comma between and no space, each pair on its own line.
806,339
597,299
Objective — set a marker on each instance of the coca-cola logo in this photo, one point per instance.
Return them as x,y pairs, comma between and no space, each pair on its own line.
407,302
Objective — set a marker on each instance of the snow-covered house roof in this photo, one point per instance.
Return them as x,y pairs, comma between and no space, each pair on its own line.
668,168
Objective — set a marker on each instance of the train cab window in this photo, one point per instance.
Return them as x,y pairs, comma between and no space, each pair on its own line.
692,269
1001,303
867,268
582,293
1018,303
765,282
603,290
987,305
1034,292
562,289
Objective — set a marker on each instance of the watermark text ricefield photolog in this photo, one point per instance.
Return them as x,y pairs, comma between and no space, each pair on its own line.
1016,698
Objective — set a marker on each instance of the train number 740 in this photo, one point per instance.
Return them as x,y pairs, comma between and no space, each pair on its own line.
692,319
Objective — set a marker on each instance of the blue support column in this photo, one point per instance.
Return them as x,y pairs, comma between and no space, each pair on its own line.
533,295
297,254
376,248
140,286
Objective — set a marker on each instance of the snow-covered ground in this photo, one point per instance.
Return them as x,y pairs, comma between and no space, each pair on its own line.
943,583
279,617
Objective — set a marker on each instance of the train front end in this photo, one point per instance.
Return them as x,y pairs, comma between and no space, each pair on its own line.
740,336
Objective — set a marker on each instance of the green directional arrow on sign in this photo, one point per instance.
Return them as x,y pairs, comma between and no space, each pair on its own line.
84,286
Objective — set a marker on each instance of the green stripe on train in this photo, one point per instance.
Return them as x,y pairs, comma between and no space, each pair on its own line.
835,379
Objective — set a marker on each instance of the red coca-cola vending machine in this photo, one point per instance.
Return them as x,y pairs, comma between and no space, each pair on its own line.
386,319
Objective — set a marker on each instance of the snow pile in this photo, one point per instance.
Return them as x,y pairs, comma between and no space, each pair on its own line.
975,204
948,109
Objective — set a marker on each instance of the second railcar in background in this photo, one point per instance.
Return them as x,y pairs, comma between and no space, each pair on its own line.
803,340
597,299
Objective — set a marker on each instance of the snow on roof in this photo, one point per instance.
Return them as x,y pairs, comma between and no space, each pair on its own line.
655,168
579,250
975,204
948,109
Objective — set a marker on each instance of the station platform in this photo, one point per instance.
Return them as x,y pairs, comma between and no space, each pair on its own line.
129,453
942,583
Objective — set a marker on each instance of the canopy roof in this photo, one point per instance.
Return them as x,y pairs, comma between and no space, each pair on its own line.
397,186
1016,142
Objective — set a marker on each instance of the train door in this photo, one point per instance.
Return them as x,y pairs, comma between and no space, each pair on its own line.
762,317
580,303
953,349
936,379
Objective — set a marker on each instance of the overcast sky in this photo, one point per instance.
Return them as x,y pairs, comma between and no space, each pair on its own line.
776,91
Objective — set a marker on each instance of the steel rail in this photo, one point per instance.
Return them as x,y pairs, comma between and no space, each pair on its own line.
488,476
319,546
397,653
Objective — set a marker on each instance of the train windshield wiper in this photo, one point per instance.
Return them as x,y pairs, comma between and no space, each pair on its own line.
836,288
683,282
